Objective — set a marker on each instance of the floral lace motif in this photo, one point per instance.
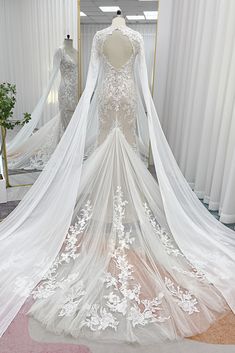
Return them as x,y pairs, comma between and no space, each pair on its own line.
124,297
68,90
72,300
117,99
186,301
70,252
171,247
164,237
42,156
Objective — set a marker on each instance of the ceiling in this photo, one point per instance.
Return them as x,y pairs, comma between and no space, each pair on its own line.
128,7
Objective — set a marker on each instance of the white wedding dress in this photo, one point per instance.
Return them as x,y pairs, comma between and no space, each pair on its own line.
115,255
33,150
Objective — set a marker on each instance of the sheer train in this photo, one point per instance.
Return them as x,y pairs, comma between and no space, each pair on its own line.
120,275
119,256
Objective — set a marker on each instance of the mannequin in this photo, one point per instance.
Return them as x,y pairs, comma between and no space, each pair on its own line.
119,20
69,49
117,47
67,94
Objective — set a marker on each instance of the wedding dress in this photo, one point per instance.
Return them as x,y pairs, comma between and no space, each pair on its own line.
30,150
107,252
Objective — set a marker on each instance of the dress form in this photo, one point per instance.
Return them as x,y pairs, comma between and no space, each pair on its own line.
67,94
117,47
69,49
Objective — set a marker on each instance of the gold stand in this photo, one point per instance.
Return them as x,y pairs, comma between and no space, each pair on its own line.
4,153
5,163
79,48
153,79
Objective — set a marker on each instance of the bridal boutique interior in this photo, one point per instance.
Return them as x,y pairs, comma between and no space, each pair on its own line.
189,51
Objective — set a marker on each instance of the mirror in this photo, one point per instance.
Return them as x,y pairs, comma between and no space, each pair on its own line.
39,54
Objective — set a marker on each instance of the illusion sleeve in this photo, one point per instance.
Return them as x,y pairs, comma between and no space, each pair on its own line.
94,66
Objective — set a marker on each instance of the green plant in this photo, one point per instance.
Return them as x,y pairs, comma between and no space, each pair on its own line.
7,104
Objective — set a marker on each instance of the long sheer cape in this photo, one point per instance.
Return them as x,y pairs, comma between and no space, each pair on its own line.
34,232
22,136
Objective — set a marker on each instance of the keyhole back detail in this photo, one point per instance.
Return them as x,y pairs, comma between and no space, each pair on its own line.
117,49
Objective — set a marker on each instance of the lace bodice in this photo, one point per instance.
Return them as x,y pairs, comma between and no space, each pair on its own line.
117,92
68,90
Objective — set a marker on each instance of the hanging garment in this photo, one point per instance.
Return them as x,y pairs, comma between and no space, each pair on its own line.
105,250
32,150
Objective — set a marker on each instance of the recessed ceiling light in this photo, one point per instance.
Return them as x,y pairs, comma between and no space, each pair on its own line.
135,17
151,15
82,14
109,8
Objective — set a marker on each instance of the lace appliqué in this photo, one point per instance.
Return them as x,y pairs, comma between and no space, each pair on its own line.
42,156
68,90
124,296
70,252
186,301
171,247
117,99
73,300
164,237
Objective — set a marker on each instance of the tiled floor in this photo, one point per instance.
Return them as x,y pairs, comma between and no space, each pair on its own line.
7,208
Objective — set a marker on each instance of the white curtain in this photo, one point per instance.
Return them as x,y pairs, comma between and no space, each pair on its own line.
195,95
30,32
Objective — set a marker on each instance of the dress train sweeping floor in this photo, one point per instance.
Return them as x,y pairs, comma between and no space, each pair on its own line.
120,275
108,253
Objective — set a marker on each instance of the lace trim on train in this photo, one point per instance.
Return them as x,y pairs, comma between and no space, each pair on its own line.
171,247
123,298
70,252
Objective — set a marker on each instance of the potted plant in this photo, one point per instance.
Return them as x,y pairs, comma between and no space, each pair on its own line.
7,104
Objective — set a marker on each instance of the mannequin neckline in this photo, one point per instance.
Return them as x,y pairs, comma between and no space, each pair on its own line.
120,28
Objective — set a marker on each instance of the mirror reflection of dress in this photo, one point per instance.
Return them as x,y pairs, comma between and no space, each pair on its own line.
115,255
68,90
35,151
